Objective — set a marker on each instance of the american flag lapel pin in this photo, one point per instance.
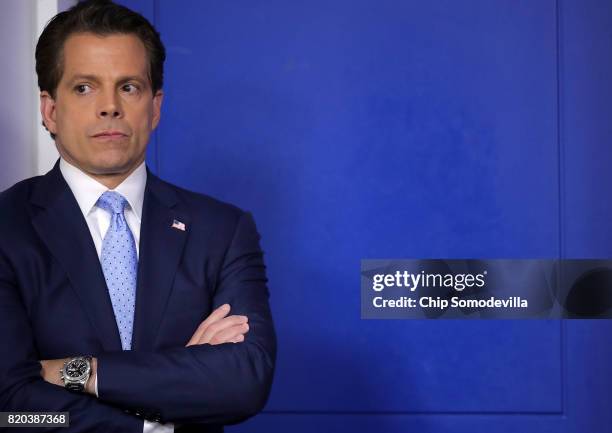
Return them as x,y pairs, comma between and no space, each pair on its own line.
176,224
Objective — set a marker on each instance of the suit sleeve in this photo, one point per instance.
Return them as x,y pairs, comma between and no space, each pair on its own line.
224,383
22,388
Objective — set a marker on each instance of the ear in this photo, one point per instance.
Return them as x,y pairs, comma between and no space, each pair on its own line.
47,111
157,103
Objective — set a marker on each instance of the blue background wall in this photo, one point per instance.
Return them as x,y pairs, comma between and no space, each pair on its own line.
403,129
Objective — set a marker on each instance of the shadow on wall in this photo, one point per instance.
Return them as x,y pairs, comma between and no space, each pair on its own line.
17,87
16,150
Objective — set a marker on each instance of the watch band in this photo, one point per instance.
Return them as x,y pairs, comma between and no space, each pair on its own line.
77,387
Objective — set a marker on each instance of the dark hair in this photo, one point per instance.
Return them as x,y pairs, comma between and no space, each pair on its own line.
101,17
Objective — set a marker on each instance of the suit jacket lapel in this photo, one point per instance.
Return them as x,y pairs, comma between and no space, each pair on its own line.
161,247
60,224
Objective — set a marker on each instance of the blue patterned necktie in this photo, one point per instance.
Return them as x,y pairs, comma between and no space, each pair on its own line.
119,264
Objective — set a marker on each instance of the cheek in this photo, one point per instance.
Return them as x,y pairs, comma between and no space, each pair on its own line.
143,122
71,120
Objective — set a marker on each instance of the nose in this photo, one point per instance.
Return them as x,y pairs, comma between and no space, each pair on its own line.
110,106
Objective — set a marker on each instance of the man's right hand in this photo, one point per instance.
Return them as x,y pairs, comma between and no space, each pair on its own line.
219,329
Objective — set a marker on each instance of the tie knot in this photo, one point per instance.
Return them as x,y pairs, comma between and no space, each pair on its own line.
112,201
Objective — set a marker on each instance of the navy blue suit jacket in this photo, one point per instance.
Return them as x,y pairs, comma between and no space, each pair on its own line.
54,304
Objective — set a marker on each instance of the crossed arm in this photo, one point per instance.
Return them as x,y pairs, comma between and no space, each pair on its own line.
217,328
205,382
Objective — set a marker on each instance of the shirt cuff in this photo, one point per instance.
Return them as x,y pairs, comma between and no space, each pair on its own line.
154,427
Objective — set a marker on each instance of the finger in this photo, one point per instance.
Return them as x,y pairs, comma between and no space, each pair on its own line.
205,333
227,335
238,339
220,325
218,314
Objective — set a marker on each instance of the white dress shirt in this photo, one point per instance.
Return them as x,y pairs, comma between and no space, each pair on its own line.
87,191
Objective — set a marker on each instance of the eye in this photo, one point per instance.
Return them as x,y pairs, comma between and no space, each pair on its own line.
130,88
82,89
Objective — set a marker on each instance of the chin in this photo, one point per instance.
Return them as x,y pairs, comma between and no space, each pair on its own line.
112,167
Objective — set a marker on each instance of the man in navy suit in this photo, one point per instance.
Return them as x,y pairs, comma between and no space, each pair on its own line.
115,286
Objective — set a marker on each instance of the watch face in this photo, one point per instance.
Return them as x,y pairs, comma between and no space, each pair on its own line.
76,368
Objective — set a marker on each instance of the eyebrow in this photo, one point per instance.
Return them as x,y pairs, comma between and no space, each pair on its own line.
94,78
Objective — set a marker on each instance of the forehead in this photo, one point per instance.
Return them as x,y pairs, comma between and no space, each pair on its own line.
110,55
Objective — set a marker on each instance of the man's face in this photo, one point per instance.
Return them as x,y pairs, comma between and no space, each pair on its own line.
104,109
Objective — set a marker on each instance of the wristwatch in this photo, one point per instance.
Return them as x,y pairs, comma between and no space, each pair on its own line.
75,373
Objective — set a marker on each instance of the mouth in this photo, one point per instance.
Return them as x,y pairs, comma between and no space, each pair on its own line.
110,135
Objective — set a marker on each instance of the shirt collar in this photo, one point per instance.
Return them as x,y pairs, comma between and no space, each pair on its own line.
87,190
